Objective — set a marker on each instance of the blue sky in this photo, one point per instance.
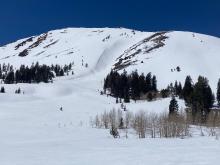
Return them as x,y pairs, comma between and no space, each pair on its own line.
23,18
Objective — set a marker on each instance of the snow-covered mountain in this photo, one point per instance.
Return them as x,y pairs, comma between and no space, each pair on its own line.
34,131
106,48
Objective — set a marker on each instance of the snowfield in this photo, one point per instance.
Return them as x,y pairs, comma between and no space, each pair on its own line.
35,132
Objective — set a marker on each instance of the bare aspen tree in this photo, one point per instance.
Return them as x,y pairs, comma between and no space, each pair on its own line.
113,118
105,120
97,122
113,123
140,122
120,119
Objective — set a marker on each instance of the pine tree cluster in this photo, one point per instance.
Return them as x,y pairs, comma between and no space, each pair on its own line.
198,97
130,86
172,90
34,74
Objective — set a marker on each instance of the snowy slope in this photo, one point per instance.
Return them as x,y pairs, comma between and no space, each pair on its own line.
195,54
97,47
103,49
35,132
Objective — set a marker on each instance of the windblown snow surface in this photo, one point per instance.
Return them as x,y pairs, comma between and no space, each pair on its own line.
35,132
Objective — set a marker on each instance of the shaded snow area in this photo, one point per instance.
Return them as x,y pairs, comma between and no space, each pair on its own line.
35,130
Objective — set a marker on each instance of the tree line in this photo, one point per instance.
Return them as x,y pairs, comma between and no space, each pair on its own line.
36,73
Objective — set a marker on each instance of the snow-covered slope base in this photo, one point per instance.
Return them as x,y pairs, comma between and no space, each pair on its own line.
33,129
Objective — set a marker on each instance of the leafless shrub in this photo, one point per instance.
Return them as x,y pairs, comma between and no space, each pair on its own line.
140,124
128,119
145,125
105,120
213,123
97,122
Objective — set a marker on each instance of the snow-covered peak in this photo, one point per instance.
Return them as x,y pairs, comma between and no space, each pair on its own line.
107,48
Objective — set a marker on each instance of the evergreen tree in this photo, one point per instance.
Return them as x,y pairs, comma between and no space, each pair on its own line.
218,92
164,93
154,84
9,79
116,101
202,98
125,87
187,90
148,82
2,90
135,89
176,88
179,90
17,76
127,98
142,83
173,107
